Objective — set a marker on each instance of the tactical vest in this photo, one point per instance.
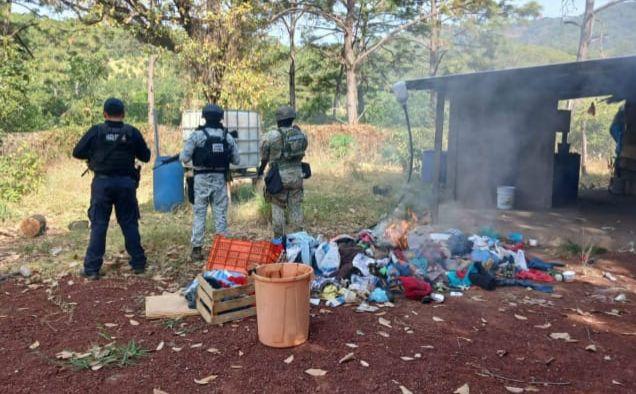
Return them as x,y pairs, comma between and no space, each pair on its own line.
294,144
214,154
113,151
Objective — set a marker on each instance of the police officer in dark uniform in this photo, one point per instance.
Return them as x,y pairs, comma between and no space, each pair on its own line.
111,149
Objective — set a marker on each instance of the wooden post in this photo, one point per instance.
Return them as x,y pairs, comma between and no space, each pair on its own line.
437,165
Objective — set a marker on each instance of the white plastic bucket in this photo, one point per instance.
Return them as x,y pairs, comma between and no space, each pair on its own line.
505,197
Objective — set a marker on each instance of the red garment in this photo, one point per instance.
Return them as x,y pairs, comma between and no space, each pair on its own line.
238,280
536,275
414,288
461,273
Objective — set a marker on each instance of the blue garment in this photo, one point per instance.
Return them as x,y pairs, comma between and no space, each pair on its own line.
617,129
303,241
539,264
378,295
456,281
525,283
106,192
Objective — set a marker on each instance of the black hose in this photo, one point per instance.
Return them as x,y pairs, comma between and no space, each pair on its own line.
408,127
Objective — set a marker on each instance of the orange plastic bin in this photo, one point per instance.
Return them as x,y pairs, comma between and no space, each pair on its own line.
282,303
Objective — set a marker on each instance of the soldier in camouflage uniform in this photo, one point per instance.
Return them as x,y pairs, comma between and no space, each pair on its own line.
284,148
211,149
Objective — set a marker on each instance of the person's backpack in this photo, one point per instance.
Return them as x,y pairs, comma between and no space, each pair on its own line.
294,143
214,154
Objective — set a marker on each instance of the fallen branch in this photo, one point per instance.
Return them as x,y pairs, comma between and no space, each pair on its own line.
487,373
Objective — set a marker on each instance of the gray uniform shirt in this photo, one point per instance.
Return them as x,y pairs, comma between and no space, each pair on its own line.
197,139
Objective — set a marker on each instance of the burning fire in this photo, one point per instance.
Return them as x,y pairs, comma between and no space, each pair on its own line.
396,233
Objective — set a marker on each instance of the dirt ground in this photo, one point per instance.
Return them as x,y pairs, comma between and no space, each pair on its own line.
597,217
487,340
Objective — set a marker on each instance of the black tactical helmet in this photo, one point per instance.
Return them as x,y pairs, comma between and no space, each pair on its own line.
212,111
285,112
114,106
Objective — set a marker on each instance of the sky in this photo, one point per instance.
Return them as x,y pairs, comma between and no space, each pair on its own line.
553,8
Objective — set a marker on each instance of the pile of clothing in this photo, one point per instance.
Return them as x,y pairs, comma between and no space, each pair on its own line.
371,267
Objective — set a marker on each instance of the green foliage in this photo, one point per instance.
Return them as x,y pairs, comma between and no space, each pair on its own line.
112,355
15,71
569,249
20,173
341,145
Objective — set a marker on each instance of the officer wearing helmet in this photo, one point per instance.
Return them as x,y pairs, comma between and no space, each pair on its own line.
211,149
283,148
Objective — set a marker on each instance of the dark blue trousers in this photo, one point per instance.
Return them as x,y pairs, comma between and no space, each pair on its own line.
121,192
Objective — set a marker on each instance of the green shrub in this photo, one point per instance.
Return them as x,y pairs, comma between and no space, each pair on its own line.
341,145
20,173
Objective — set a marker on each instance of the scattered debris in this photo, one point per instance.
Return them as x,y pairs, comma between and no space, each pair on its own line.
348,357
289,359
620,298
383,334
160,346
315,372
134,322
34,345
544,326
562,335
385,322
512,389
520,317
591,348
462,390
205,380
404,390
351,345
364,363
437,319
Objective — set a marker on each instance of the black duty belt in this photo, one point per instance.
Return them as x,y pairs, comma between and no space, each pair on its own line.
220,170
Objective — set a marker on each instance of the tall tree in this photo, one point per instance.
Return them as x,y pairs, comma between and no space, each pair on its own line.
213,37
585,39
362,27
290,21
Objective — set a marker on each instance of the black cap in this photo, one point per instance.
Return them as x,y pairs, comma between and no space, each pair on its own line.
114,106
212,111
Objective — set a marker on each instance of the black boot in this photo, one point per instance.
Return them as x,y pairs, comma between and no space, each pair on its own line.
197,254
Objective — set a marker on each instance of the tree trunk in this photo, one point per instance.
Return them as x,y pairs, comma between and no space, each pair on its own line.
336,95
350,65
292,69
433,57
151,91
584,147
352,95
587,25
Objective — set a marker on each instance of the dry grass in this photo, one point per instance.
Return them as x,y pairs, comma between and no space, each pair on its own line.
338,198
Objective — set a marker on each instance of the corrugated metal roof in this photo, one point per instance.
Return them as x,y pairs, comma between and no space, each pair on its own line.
612,76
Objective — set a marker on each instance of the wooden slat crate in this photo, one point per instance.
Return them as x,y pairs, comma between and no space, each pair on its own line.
214,310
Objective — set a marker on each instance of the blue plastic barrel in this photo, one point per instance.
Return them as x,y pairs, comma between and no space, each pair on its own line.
167,184
428,163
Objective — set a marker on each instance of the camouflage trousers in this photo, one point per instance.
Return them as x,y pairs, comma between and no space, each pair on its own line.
290,202
209,189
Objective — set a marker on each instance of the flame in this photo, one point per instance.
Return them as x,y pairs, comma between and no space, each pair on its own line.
396,233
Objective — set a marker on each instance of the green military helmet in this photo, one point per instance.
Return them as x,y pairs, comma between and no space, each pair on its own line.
285,112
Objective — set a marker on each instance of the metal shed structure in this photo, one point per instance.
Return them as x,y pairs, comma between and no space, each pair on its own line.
503,125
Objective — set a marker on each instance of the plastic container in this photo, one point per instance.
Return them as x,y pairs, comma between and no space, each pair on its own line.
282,303
167,185
568,276
240,255
505,197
